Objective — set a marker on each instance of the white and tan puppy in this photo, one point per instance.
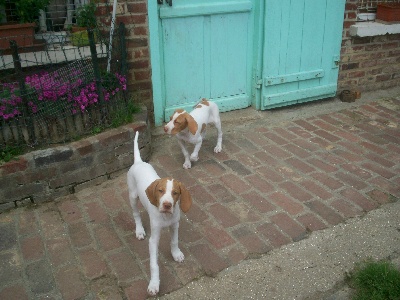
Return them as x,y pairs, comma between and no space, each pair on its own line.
192,128
159,197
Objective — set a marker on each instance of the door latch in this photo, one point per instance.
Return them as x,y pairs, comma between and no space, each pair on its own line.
169,2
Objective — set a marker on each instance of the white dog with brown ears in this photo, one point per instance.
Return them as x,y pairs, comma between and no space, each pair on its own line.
159,197
192,128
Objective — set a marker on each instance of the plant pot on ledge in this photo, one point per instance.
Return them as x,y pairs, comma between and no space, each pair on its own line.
388,13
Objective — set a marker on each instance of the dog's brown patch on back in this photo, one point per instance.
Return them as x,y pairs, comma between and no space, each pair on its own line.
205,102
199,106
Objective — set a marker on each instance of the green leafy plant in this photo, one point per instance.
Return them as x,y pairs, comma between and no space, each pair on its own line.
86,15
124,115
376,281
9,152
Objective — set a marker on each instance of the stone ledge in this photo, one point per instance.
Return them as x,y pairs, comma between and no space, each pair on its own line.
365,29
44,175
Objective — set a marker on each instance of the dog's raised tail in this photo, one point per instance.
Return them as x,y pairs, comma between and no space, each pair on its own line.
136,152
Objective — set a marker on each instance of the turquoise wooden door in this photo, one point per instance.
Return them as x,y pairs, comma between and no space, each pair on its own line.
205,50
302,40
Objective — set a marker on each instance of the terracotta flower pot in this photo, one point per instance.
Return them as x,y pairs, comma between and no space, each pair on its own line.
388,12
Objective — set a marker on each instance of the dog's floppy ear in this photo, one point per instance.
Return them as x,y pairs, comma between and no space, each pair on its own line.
192,124
151,192
186,199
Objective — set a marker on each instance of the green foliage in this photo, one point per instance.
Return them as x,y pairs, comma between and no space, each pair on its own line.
9,152
28,11
124,115
376,281
86,15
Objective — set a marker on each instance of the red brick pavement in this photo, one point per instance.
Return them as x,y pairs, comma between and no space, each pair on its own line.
271,185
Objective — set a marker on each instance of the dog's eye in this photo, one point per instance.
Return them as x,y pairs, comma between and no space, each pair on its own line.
161,190
174,193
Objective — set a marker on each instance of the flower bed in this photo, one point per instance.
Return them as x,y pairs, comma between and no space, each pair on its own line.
58,106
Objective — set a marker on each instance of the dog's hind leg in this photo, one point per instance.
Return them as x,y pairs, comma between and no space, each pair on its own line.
133,197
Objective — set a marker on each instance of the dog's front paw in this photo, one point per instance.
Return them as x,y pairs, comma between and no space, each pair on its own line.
194,157
153,287
187,165
178,256
218,149
140,234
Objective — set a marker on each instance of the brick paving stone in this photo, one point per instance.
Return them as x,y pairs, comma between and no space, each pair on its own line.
32,248
59,251
137,290
79,234
296,150
217,237
269,174
300,165
210,262
107,238
289,205
250,241
69,280
266,158
311,222
70,211
260,184
357,198
201,195
273,235
43,283
221,193
351,180
345,208
275,138
327,180
124,266
295,191
276,151
316,189
103,288
8,236
14,292
96,213
323,165
379,170
327,213
324,125
306,125
223,215
93,264
51,224
258,202
237,167
236,184
289,226
124,221
380,196
11,267
357,171
305,134
27,223
248,160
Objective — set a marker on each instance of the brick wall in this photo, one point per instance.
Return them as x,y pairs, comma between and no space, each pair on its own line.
44,175
368,63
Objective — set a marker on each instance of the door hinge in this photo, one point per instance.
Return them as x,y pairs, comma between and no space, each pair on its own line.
259,83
